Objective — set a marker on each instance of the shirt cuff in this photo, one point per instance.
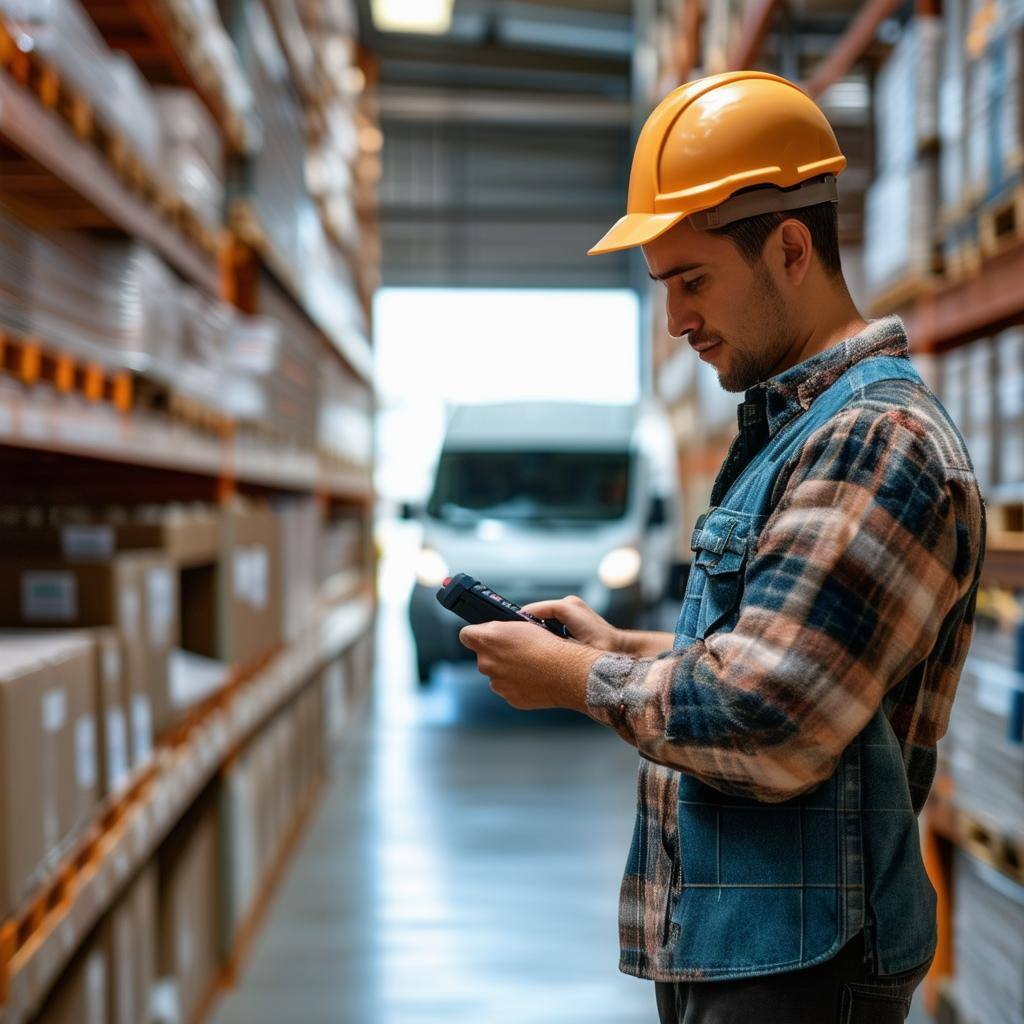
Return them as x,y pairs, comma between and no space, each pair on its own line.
607,683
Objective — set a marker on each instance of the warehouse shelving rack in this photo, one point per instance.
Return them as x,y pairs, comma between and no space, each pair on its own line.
61,165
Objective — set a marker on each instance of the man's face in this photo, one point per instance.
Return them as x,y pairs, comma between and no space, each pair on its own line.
713,295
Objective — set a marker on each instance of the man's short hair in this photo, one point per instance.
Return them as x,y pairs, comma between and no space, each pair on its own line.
822,220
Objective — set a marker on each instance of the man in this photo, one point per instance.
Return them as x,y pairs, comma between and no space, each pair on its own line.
788,727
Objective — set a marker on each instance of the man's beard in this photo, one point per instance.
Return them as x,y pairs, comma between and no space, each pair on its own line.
747,368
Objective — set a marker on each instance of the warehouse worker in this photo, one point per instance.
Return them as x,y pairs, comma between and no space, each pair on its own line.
788,727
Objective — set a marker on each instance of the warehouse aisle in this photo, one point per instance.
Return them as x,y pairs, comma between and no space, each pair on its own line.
463,867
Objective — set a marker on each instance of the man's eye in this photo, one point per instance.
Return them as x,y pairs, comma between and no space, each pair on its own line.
693,285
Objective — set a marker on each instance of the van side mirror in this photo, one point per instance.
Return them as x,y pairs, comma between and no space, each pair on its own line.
408,510
656,516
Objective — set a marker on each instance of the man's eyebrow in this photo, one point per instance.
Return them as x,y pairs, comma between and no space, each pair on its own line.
672,273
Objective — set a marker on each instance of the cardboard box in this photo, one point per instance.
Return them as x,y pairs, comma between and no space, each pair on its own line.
80,994
113,710
189,905
136,593
183,536
129,935
48,756
232,611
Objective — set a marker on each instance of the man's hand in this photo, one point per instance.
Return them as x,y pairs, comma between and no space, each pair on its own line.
530,667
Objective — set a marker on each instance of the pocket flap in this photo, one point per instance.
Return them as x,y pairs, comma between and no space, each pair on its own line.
718,530
716,564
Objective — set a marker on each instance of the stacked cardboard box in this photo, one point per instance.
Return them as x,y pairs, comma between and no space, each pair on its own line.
966,391
989,956
1010,404
193,152
81,996
231,609
48,746
263,790
900,204
134,592
189,907
299,523
129,935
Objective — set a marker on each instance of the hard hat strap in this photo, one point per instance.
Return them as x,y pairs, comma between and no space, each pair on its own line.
766,200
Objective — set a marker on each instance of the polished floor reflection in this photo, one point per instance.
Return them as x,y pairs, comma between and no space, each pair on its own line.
463,867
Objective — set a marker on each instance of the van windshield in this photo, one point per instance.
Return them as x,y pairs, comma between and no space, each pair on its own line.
531,487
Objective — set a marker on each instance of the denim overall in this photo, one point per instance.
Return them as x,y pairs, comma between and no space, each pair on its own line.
766,888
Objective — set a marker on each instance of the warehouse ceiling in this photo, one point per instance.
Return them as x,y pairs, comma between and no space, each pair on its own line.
507,143
509,138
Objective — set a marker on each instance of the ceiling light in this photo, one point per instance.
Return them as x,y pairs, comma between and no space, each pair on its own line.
433,16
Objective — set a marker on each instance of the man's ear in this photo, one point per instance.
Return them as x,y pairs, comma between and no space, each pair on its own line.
797,249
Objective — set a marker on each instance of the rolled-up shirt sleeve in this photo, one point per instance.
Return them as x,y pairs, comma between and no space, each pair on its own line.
845,592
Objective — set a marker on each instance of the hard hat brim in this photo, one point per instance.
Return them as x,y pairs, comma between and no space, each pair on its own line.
635,229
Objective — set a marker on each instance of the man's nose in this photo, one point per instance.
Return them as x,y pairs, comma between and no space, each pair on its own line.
681,320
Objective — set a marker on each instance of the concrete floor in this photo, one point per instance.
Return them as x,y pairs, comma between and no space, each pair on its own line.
463,867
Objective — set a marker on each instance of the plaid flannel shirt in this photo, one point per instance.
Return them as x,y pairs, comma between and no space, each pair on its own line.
859,593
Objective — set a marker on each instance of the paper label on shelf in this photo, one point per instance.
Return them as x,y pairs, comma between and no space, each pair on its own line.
117,748
252,575
87,543
85,752
128,610
54,707
49,596
96,989
112,662
159,592
142,729
185,946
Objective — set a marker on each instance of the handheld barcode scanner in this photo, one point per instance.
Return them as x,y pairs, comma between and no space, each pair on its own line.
475,603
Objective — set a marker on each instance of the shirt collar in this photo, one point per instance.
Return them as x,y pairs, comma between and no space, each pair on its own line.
793,390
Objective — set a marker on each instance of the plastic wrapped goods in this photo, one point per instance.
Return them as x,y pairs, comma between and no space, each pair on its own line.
907,95
193,152
62,32
899,211
110,300
988,924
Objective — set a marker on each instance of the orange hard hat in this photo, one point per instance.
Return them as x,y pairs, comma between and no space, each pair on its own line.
712,137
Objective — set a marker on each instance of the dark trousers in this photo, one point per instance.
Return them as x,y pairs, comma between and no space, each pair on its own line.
839,991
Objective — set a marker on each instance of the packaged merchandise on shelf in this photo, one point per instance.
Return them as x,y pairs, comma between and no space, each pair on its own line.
345,426
899,209
952,88
1010,404
129,934
218,62
231,609
299,522
189,904
980,426
335,701
277,172
193,152
108,300
81,994
342,550
48,743
995,113
988,921
986,747
64,34
263,790
135,592
907,96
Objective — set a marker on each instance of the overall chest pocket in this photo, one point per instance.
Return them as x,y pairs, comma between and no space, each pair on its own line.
720,541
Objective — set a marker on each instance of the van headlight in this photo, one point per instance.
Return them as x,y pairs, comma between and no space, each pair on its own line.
619,568
431,568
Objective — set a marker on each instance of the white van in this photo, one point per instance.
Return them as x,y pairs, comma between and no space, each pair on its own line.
539,500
